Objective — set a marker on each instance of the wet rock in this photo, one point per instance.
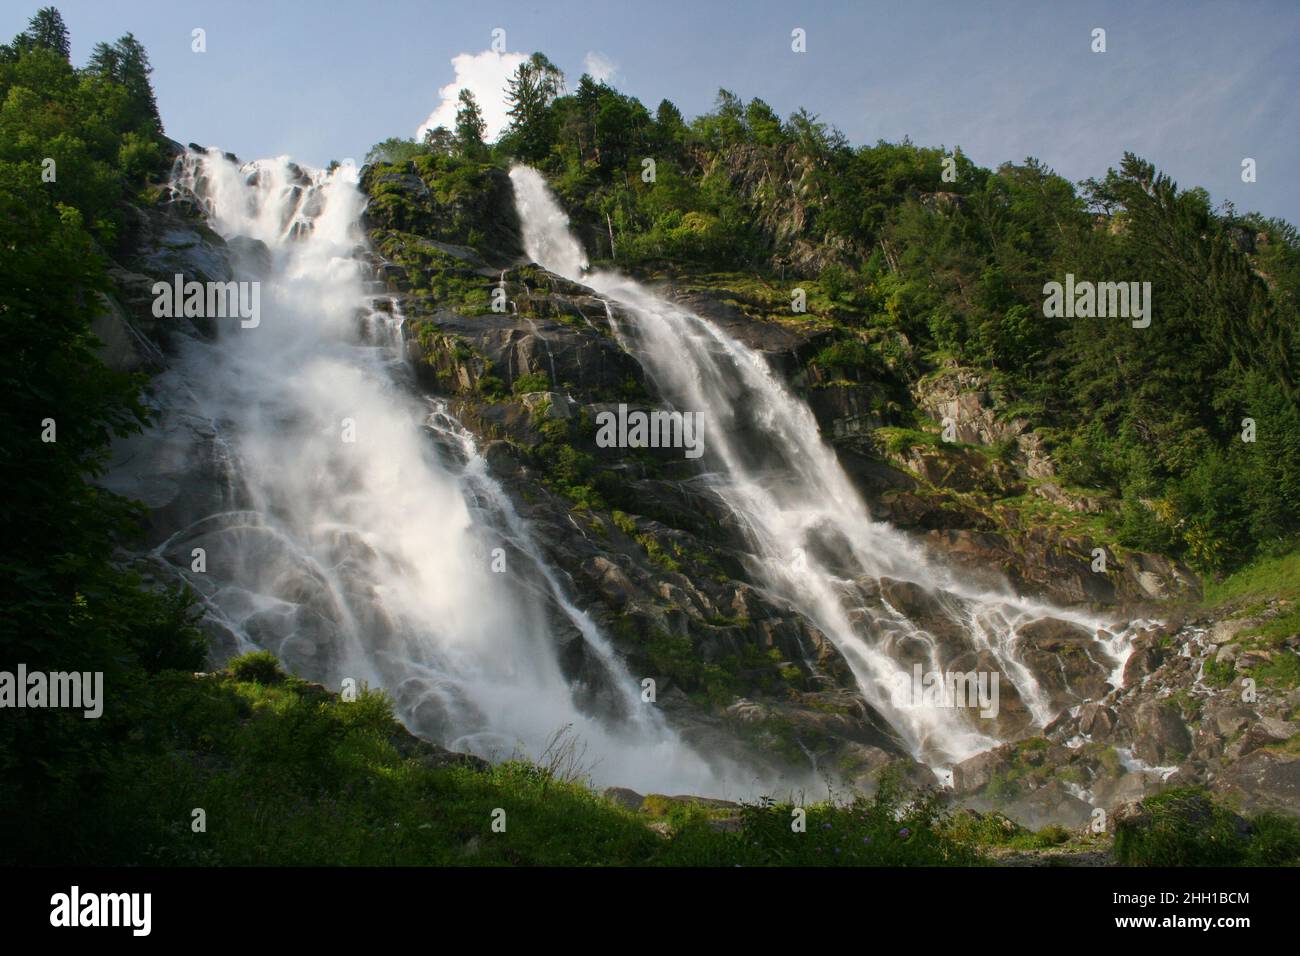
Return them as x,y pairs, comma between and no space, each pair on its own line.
1160,736
1067,661
1260,732
435,757
1265,780
1230,721
781,345
1050,804
123,347
464,349
960,396
1110,793
1159,578
1096,720
975,773
1147,656
485,211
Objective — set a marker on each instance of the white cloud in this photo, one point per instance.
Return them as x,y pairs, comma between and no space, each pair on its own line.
601,67
485,75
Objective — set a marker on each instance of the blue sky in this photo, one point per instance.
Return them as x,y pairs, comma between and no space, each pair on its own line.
1193,87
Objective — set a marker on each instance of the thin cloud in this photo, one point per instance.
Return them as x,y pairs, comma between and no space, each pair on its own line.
601,67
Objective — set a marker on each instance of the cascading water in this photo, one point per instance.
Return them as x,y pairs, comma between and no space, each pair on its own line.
356,528
812,539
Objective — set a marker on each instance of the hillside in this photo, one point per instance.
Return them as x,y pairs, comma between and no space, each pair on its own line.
1102,513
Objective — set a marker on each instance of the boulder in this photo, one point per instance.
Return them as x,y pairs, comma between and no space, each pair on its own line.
1160,737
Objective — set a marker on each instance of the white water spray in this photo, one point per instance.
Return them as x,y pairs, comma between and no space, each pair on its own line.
812,539
360,526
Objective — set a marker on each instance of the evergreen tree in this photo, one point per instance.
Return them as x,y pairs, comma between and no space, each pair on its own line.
47,31
470,126
530,93
133,70
104,61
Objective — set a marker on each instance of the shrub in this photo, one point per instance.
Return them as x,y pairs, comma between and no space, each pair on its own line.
532,382
1184,827
491,388
844,354
257,667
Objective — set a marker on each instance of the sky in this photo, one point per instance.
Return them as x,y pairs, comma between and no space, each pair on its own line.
1194,87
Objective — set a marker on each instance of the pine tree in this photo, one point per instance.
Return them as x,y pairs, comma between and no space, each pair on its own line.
104,61
133,70
470,125
530,93
46,29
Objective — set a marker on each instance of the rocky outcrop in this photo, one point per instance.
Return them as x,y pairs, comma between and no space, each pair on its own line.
475,210
647,549
972,497
1171,723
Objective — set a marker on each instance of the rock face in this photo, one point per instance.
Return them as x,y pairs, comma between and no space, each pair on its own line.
662,567
478,212
973,504
171,468
1169,725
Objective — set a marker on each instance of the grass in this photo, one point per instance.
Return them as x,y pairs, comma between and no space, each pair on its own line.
989,830
1034,510
657,553
1264,578
531,382
287,773
1249,591
1184,827
901,440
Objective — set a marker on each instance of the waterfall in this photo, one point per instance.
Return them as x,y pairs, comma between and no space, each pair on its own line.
874,592
356,532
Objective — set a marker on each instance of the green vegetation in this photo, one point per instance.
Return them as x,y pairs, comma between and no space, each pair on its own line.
569,470
658,554
1269,577
287,773
1270,588
531,382
1183,827
902,440
69,603
917,270
844,354
904,270
257,667
994,830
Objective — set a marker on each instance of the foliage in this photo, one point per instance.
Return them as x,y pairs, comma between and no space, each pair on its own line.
257,667
286,775
531,382
70,605
1183,827
954,269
